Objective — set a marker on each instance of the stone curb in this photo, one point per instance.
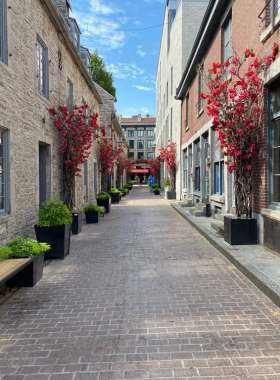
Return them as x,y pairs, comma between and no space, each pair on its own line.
263,282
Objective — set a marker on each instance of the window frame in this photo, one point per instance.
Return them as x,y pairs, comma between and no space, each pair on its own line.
130,133
227,42
218,164
70,95
131,155
200,90
149,154
131,141
6,169
42,67
185,168
150,134
197,166
151,142
140,158
171,18
3,31
140,133
187,126
140,141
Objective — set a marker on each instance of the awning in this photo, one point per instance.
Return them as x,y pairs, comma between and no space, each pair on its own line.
139,171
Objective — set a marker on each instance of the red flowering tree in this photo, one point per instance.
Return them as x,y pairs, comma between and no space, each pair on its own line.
76,129
107,157
168,155
122,164
235,106
128,168
155,168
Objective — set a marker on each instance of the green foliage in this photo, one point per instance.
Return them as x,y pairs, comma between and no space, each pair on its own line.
5,253
126,187
114,191
131,183
101,75
156,189
103,195
124,190
155,185
166,182
90,208
54,213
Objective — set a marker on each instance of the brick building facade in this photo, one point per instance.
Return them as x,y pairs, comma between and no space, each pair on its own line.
227,26
40,68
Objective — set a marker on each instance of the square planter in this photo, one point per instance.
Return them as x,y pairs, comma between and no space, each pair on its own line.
130,187
58,237
77,223
92,217
156,192
104,203
240,231
115,197
30,275
170,195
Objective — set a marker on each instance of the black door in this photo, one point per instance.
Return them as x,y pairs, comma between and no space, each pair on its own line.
42,175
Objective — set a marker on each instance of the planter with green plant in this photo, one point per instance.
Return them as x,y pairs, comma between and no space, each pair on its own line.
157,190
54,228
115,195
155,185
168,194
104,200
127,188
124,191
93,213
21,248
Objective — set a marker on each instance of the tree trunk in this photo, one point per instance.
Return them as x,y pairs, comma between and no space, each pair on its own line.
104,182
69,186
243,190
172,179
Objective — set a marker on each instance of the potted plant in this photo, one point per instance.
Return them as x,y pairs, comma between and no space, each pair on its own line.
235,107
127,188
115,195
168,155
104,200
157,190
54,228
25,248
155,185
125,191
92,213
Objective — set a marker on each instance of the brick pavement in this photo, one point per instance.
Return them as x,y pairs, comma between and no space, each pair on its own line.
141,296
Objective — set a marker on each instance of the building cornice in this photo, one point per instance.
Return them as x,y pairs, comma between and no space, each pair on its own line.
71,47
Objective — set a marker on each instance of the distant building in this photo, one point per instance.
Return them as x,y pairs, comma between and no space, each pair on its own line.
140,133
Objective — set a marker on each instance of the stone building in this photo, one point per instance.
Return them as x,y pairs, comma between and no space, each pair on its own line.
40,68
182,20
140,133
241,25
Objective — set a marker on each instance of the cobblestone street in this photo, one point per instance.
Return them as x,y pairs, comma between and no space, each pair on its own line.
141,296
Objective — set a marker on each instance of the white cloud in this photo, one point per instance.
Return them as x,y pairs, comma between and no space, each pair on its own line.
123,20
98,6
155,1
125,70
137,22
128,112
140,51
143,88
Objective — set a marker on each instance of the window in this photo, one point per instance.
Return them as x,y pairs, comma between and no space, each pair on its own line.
70,94
276,9
197,166
171,123
187,113
77,37
218,167
200,89
3,32
171,82
131,155
130,133
150,133
84,103
227,44
149,155
42,68
140,133
150,144
140,144
131,144
140,155
171,17
86,181
185,169
4,171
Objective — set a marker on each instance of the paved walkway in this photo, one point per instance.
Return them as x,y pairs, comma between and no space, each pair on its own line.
141,296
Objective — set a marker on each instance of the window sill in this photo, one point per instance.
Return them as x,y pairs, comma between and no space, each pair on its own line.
200,113
275,214
197,193
218,199
268,31
43,96
4,217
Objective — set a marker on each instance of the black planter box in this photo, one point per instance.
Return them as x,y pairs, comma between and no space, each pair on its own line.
115,197
272,233
170,195
29,275
123,195
104,203
77,223
130,187
58,237
156,192
240,231
92,217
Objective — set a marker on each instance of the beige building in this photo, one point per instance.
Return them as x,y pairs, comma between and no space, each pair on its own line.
40,67
182,20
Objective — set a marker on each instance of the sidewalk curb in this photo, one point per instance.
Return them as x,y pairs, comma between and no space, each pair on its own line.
264,283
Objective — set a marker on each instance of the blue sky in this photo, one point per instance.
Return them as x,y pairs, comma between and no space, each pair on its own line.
131,54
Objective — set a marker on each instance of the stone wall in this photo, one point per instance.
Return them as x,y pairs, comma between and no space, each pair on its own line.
24,112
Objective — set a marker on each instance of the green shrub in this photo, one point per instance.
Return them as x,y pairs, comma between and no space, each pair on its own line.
5,253
102,195
90,208
54,213
27,247
155,185
114,191
166,182
124,190
126,187
156,189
